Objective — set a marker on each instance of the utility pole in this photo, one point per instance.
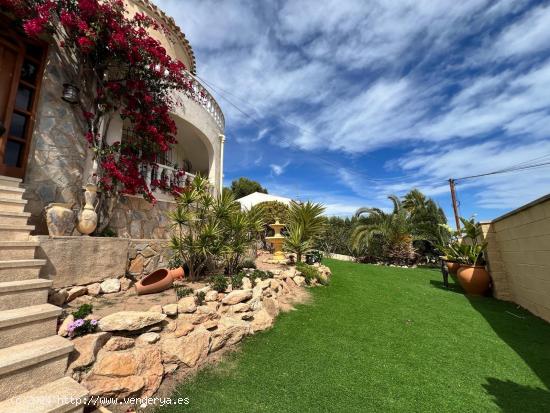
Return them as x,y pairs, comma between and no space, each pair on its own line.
455,206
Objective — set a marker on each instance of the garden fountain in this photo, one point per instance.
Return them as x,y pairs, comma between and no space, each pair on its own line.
277,241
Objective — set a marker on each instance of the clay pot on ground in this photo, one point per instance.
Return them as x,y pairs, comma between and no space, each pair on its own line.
177,273
474,279
452,267
155,282
60,219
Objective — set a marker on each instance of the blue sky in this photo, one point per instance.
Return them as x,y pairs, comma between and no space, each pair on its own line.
348,101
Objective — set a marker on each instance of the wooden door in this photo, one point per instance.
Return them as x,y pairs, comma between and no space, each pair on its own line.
21,67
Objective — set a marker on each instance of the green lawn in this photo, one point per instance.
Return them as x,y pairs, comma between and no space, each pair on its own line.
385,339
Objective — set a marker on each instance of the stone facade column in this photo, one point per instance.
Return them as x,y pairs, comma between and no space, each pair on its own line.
222,143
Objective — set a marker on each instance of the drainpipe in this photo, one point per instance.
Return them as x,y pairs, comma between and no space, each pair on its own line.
222,142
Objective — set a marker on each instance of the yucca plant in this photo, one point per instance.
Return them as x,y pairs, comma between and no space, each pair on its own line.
196,231
296,242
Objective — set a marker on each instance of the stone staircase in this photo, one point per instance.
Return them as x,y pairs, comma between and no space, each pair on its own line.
33,358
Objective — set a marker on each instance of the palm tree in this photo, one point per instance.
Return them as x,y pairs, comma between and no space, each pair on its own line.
305,223
425,215
393,230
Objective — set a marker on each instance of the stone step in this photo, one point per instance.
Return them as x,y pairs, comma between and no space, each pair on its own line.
17,294
11,192
12,270
12,205
54,397
21,325
17,250
9,181
14,218
30,365
15,232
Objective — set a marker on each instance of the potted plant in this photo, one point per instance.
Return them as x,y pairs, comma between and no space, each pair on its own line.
449,243
472,275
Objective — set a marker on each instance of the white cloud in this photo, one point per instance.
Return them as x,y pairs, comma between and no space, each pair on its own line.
530,34
279,169
358,76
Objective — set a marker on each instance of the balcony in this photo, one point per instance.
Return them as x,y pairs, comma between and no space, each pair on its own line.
203,98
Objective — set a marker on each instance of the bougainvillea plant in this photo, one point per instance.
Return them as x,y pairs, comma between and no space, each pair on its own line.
122,71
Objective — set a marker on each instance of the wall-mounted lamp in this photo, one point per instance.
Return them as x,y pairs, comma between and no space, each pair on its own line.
71,93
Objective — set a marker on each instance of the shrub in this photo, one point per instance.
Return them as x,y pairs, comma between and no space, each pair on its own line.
237,280
201,295
263,275
309,272
248,263
83,311
219,283
183,292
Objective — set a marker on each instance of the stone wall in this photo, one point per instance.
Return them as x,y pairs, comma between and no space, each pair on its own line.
74,261
136,218
58,151
518,255
79,261
145,256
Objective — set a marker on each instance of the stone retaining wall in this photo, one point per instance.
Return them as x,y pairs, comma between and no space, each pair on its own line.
77,261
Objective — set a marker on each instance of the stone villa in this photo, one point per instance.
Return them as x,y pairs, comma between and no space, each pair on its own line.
43,160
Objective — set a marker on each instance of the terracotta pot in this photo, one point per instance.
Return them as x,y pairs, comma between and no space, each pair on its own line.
474,279
155,282
452,267
177,273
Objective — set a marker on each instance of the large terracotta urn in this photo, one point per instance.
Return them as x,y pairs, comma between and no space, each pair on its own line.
474,279
87,218
452,266
60,219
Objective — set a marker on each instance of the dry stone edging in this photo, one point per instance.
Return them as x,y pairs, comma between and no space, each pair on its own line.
134,350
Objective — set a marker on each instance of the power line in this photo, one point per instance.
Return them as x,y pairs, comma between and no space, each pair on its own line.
502,171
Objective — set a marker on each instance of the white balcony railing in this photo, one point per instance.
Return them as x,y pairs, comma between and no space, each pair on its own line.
167,174
203,97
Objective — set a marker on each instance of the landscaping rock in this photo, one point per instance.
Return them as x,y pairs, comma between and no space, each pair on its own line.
291,272
64,327
170,310
125,284
211,296
299,280
94,289
110,285
183,328
264,284
190,349
271,306
230,331
86,349
291,284
58,298
237,296
136,266
130,320
239,308
246,283
203,290
148,338
187,305
119,343
262,321
122,374
76,292
157,308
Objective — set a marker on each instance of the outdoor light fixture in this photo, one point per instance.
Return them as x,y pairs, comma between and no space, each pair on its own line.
71,93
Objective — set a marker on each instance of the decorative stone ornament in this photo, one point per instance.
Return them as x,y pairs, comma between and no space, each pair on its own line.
71,94
60,219
277,242
87,218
